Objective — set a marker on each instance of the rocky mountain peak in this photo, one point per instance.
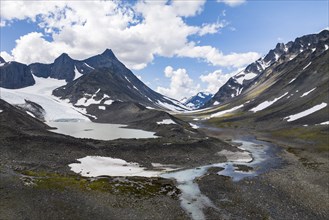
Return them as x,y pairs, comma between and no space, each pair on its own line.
108,53
63,58
2,60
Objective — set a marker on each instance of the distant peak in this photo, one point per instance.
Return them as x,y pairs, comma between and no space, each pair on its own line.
108,53
64,57
2,60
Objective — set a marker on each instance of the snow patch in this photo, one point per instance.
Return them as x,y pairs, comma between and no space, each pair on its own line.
166,122
93,166
307,65
226,111
102,107
77,74
41,93
194,126
216,103
108,102
89,66
306,93
306,112
244,76
292,80
29,113
266,104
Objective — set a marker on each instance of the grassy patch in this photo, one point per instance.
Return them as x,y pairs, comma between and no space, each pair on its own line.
135,186
313,138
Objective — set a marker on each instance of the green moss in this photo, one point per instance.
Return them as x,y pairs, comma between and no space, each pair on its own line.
315,138
136,186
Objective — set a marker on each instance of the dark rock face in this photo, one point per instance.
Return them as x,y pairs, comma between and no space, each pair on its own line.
281,53
40,69
14,75
63,68
2,60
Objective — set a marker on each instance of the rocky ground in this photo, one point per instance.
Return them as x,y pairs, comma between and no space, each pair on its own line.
36,182
296,189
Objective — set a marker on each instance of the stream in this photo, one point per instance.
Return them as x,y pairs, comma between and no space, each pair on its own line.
258,156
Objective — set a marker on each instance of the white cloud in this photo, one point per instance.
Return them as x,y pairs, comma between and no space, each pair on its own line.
232,3
136,33
217,79
7,57
181,85
188,8
217,58
211,28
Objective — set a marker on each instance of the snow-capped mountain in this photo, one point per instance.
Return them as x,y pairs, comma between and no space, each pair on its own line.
198,100
292,91
251,74
110,81
71,86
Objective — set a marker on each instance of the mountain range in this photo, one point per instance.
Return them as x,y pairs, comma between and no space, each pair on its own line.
99,80
288,86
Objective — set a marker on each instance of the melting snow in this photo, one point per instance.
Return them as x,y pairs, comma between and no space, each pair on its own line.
77,74
246,76
92,166
86,101
306,112
306,93
307,65
108,102
201,96
326,47
1,111
41,93
29,113
226,111
89,66
292,80
166,122
216,103
324,123
266,104
101,107
194,126
128,80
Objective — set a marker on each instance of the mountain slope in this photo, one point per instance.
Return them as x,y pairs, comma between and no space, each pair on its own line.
291,93
112,81
243,80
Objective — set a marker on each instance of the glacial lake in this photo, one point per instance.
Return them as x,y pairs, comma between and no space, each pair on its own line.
98,131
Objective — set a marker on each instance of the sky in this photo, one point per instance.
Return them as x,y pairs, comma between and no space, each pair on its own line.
177,48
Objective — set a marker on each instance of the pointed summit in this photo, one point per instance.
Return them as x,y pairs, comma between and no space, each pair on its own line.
63,58
108,53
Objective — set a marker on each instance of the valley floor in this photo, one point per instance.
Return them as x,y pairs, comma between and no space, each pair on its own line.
36,182
297,189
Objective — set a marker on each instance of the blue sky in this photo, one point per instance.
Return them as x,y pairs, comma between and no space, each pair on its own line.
199,44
